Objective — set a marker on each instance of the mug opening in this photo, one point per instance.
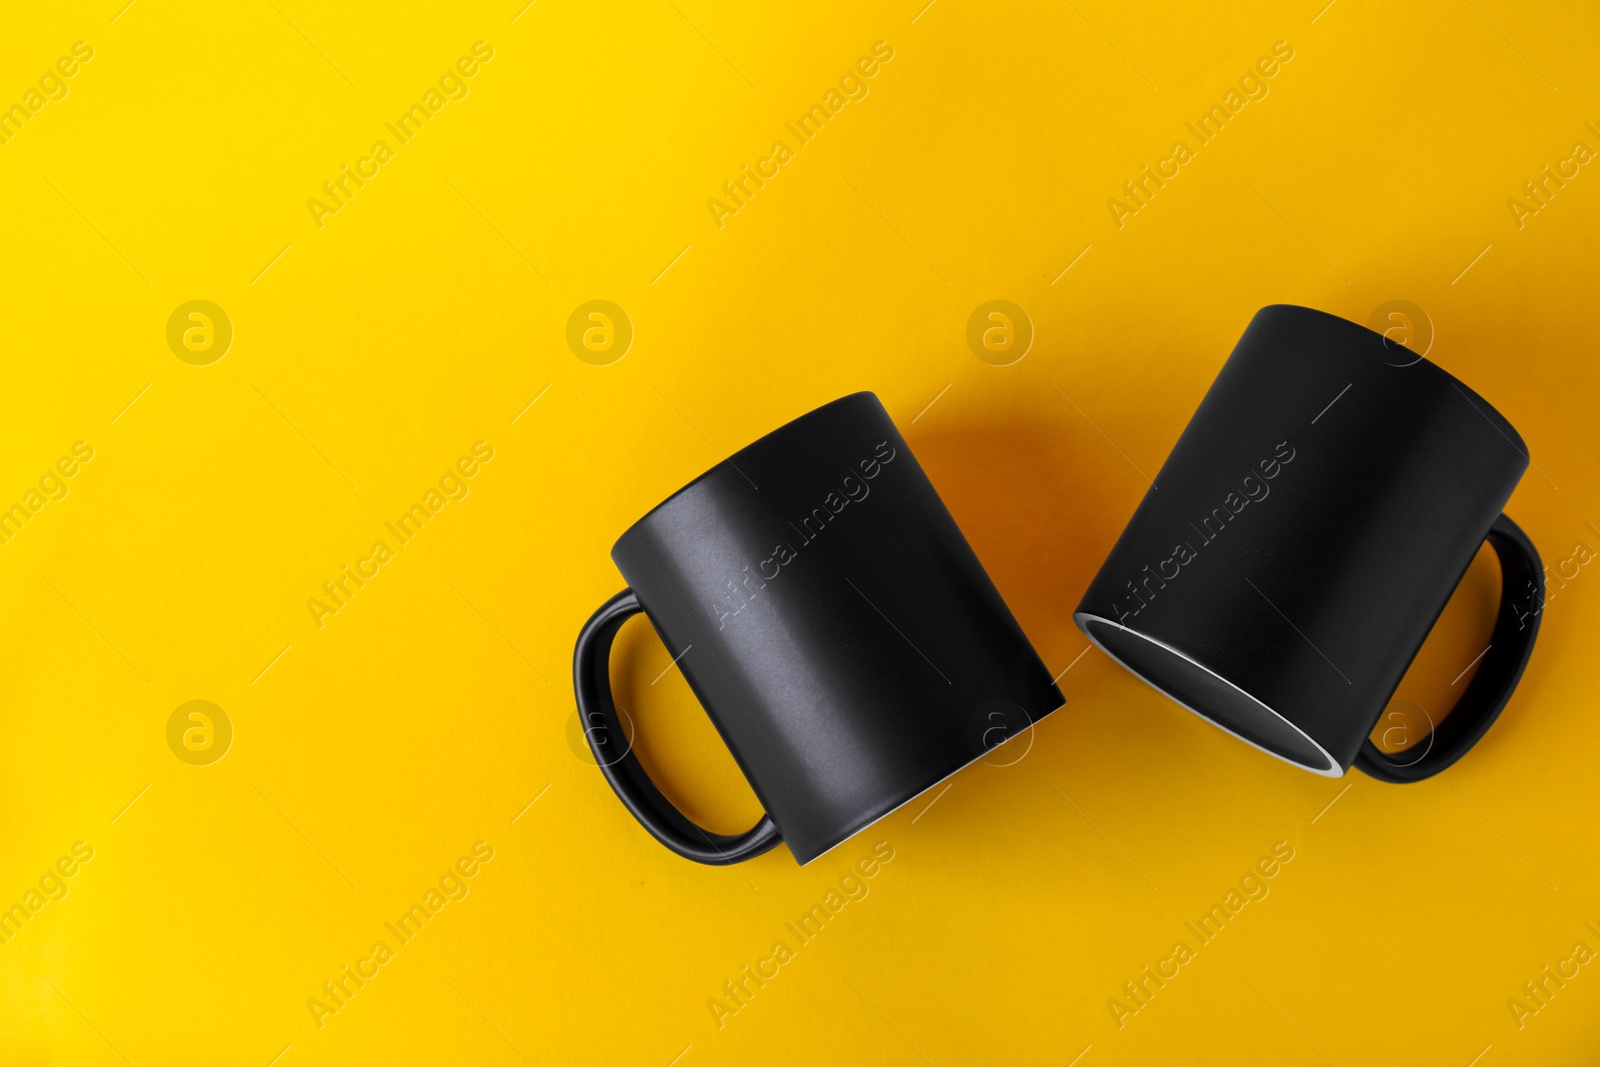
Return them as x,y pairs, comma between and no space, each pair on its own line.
1194,686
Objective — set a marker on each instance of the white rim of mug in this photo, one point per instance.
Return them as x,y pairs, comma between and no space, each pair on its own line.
1333,770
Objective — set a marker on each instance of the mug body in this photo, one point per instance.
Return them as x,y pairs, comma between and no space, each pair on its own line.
1303,536
833,621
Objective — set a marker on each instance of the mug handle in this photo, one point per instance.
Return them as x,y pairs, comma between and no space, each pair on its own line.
1501,670
591,669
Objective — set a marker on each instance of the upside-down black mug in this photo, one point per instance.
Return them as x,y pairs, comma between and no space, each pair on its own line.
833,622
1303,537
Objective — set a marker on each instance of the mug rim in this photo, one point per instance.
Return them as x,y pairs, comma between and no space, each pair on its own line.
1334,769
1488,410
765,439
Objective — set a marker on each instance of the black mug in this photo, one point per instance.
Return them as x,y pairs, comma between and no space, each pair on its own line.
1303,537
834,623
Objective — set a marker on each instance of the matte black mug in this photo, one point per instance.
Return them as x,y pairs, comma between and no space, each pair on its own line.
834,623
1303,537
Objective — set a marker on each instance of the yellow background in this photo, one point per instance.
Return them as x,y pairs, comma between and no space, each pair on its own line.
429,712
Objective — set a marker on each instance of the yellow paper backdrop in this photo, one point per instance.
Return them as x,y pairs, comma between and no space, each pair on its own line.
424,308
